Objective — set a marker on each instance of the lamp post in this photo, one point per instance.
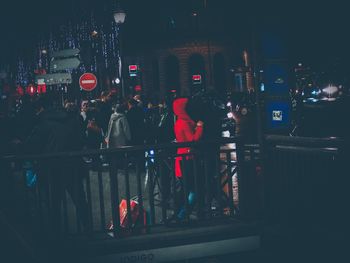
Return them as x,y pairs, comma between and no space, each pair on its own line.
119,18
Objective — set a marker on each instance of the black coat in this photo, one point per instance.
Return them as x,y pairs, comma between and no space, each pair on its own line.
56,131
136,122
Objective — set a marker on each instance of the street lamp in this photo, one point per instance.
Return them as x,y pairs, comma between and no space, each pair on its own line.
119,18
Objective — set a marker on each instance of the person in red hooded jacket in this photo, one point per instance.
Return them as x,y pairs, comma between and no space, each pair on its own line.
186,130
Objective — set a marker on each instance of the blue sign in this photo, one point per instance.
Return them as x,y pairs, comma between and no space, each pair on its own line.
278,115
273,45
276,80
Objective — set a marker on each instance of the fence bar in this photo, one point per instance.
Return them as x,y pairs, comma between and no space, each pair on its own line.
41,199
185,167
65,213
208,185
160,175
89,200
127,192
197,188
113,174
76,196
230,185
218,184
101,196
139,192
240,180
151,185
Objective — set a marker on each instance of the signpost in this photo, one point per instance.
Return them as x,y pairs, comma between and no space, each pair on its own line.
276,82
64,60
54,79
133,69
65,53
88,81
64,64
196,79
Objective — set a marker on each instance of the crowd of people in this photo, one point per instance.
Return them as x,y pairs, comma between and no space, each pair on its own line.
42,125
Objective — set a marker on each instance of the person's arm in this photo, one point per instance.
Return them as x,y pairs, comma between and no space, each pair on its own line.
195,135
109,130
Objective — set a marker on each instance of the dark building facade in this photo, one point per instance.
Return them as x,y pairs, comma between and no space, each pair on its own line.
198,42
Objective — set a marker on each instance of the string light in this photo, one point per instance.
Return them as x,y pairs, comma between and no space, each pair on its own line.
103,47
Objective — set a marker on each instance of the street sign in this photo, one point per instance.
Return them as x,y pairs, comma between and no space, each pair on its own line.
88,81
196,79
54,79
133,70
278,115
138,88
276,79
65,53
64,64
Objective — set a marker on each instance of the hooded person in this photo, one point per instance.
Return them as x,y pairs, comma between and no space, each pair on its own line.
118,132
186,130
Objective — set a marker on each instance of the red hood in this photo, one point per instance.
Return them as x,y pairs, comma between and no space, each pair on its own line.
179,108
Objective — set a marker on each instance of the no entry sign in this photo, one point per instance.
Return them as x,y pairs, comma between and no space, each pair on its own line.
88,81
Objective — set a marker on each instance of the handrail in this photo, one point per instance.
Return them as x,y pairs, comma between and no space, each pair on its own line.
304,141
307,149
122,149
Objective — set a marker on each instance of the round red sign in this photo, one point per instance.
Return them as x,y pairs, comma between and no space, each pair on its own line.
88,81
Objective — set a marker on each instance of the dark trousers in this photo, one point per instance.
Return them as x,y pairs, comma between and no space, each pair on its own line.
188,189
58,179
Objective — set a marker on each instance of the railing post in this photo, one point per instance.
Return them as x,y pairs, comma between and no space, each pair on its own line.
127,192
161,175
230,185
101,195
89,200
151,194
185,167
208,185
197,185
139,193
240,177
114,186
218,183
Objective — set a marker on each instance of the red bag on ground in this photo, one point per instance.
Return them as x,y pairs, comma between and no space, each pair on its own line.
135,215
123,211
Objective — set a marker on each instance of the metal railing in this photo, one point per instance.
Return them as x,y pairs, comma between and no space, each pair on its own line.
302,178
114,193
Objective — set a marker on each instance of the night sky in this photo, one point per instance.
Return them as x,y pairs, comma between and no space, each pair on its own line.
317,32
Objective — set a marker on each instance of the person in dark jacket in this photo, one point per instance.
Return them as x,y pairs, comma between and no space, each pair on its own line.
186,130
136,120
94,133
105,111
165,132
59,130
